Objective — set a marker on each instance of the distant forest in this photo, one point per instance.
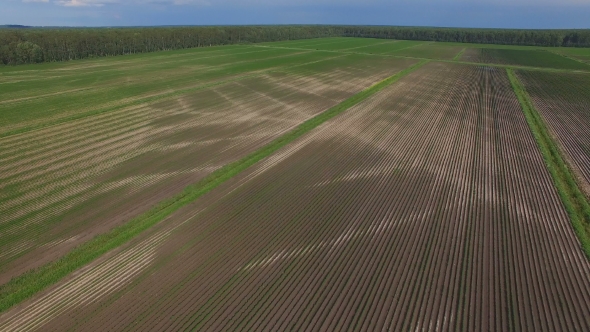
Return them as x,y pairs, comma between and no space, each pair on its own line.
34,45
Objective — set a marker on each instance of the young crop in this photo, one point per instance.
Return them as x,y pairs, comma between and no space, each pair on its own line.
572,197
28,284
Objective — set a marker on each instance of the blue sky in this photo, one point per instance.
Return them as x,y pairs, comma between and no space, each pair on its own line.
536,14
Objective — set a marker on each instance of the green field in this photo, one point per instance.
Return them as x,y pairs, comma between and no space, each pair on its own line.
190,172
430,51
500,55
33,98
389,47
529,58
580,54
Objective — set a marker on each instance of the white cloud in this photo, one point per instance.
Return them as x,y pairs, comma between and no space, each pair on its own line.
399,2
191,2
100,3
290,3
84,3
173,2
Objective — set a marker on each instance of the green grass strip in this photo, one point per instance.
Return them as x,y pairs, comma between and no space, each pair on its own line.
458,56
28,284
573,198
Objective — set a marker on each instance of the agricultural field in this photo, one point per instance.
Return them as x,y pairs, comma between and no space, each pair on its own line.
530,58
64,184
527,56
430,51
389,47
580,54
345,44
319,184
563,100
361,224
310,42
33,98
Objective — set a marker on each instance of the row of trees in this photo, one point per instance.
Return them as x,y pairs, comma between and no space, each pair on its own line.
80,43
21,46
552,38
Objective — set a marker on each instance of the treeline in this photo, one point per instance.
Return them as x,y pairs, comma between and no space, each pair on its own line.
47,45
21,46
550,38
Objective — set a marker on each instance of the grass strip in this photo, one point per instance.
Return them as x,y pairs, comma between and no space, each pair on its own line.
573,198
458,56
23,287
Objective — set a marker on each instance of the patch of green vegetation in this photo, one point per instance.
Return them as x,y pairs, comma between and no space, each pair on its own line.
389,48
576,54
563,87
573,199
531,58
582,58
504,56
496,46
458,56
573,51
308,41
350,43
62,97
26,285
430,51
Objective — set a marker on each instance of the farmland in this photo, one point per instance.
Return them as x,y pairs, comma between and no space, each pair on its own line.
388,185
580,54
532,58
519,56
562,100
64,184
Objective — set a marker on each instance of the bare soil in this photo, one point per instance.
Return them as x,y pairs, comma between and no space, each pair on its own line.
426,207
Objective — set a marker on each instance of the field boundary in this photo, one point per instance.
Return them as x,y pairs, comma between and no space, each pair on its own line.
572,197
32,282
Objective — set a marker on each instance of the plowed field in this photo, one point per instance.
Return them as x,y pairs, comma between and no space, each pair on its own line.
426,207
63,184
563,100
532,58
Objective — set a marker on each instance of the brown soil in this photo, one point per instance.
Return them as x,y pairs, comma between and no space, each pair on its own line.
426,207
114,167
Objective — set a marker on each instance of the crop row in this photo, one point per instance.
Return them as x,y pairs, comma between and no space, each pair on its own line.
308,125
426,207
419,49
64,185
33,105
531,58
562,100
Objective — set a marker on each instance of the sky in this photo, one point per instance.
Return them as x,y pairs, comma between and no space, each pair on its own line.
526,14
